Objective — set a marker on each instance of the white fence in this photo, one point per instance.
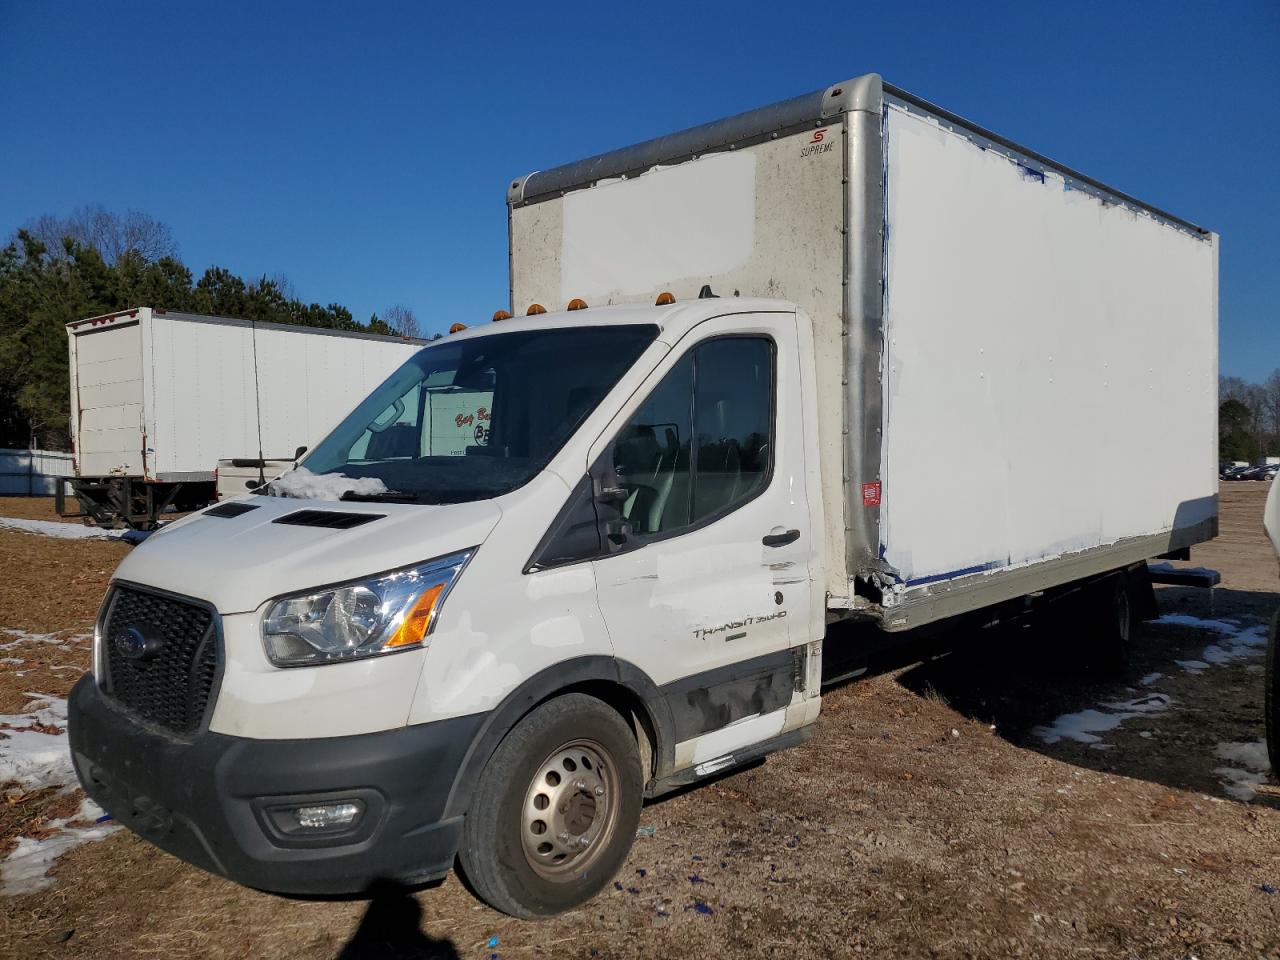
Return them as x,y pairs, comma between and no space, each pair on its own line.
33,473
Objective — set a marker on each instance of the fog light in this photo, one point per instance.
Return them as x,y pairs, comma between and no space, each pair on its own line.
328,816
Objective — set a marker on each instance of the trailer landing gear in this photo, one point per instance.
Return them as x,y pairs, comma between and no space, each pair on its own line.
119,502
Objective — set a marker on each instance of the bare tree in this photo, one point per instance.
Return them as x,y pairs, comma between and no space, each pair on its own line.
284,285
1232,388
110,233
1271,403
401,319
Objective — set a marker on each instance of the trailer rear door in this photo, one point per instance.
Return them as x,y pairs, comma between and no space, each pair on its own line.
109,433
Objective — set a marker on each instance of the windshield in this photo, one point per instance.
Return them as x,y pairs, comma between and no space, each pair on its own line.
479,417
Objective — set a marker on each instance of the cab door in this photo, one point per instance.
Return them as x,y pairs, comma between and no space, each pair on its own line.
708,585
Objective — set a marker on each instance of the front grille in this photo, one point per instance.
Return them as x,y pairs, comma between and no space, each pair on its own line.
170,684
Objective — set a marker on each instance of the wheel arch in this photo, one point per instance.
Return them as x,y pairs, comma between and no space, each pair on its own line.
619,684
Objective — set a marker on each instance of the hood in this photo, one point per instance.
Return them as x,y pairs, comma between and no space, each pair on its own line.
239,562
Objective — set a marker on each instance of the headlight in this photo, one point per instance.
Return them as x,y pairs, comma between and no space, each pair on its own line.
384,614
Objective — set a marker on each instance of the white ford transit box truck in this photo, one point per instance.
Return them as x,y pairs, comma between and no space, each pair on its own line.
847,356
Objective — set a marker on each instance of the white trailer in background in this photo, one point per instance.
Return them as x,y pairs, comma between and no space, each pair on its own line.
159,398
994,332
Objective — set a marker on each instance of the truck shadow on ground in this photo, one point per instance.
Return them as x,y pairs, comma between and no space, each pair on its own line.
391,929
1021,678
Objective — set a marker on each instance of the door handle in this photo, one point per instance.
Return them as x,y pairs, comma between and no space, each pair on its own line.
780,539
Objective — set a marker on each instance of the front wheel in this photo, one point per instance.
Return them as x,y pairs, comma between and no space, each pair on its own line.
555,810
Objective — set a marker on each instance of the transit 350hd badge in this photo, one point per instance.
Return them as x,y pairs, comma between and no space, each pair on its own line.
737,625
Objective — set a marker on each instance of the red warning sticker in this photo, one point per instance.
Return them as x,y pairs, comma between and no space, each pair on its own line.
871,494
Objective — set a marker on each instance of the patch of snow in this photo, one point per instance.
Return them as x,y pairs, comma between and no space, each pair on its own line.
22,636
34,759
1150,678
1084,727
1080,727
302,483
1229,627
1152,703
1237,643
1240,782
26,869
1252,755
37,760
53,639
65,531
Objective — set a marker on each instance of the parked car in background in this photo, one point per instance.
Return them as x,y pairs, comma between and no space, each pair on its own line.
1235,473
1266,471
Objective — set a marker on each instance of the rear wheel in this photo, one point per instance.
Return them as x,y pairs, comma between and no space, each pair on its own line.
1113,623
555,810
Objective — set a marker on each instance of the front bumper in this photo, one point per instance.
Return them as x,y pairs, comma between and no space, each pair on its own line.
206,799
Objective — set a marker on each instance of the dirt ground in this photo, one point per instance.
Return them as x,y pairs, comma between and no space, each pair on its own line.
928,816
31,508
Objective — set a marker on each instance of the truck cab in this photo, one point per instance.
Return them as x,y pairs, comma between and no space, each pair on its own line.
486,650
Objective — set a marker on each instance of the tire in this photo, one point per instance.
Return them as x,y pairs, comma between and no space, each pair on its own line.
1114,622
1272,696
555,809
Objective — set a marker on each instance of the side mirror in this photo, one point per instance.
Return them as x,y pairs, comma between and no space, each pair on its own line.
609,493
617,532
606,487
297,454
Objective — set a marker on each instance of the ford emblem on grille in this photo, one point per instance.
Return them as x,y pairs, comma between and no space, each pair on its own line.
138,643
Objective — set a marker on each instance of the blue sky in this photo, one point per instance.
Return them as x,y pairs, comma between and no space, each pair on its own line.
362,149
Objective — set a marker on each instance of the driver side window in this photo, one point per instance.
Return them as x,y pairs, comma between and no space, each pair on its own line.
701,444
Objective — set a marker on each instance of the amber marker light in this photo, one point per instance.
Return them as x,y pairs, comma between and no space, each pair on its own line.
664,298
457,328
577,303
535,309
418,620
500,315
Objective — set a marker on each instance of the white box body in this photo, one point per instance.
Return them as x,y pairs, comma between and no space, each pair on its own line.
165,396
997,338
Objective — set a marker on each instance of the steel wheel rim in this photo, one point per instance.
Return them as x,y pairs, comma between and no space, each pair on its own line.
570,809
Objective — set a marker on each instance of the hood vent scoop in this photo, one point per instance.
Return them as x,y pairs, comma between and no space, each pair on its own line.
230,509
328,518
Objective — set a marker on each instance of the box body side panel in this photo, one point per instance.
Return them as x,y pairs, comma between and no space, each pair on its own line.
208,389
1050,371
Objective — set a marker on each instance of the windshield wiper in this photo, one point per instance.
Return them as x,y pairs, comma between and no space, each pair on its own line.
387,496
